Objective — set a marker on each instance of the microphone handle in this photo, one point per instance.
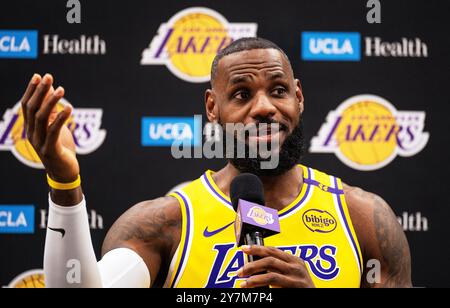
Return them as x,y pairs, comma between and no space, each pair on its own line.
251,239
255,238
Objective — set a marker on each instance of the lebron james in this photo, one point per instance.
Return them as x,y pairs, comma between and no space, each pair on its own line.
186,239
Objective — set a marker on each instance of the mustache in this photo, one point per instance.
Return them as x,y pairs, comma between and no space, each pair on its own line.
268,122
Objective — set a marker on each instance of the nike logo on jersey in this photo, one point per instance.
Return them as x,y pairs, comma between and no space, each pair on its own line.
208,233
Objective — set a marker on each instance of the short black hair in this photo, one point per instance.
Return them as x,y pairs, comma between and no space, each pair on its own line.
243,44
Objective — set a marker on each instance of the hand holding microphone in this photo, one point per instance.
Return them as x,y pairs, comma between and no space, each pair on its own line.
254,221
268,266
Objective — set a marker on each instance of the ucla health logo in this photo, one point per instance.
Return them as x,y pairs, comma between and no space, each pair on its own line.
189,41
366,132
331,46
16,219
84,123
18,44
165,132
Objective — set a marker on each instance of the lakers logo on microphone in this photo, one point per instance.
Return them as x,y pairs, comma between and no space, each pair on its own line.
83,123
367,133
260,216
189,41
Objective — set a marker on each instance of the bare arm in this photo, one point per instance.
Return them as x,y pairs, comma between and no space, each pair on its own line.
381,238
153,230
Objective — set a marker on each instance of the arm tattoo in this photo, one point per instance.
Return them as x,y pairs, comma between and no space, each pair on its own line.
382,238
393,246
153,230
148,224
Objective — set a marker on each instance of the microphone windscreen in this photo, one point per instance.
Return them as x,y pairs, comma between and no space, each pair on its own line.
247,187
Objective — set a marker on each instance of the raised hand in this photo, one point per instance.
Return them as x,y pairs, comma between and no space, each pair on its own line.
50,138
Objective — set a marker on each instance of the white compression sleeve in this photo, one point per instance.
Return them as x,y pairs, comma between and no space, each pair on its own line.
69,259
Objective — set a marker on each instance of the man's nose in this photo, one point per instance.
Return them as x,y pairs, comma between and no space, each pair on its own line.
262,107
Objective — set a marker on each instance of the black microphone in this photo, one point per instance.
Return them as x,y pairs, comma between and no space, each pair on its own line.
254,221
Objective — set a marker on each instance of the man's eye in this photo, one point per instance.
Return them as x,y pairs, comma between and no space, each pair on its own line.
279,91
242,95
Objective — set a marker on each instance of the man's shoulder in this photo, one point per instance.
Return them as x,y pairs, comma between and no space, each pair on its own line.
167,206
369,214
361,205
155,221
360,202
380,235
363,202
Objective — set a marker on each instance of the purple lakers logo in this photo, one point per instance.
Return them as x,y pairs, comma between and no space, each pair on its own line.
366,132
321,261
84,124
260,216
189,41
33,279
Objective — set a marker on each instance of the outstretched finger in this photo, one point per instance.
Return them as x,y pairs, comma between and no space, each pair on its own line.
36,101
55,128
32,85
42,116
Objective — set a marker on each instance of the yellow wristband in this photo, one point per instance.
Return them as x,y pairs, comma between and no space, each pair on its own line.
64,186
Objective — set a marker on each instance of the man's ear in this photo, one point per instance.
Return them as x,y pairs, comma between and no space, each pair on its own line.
299,94
212,109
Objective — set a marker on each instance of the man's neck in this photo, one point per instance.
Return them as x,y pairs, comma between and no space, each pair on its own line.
279,191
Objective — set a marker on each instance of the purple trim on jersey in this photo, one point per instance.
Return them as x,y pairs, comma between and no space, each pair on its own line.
341,208
215,192
282,215
332,190
186,244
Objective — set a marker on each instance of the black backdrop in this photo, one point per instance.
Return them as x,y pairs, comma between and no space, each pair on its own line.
121,172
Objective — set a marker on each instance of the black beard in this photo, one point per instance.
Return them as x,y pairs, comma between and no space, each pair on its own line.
292,150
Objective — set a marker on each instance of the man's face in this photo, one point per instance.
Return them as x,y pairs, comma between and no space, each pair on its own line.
253,87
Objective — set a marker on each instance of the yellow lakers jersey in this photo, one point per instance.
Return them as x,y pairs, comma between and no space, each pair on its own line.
316,227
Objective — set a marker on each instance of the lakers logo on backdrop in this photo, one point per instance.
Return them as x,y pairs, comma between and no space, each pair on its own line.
84,125
189,41
33,279
367,133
